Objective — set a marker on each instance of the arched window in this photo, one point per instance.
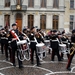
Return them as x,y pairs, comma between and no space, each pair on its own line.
55,21
7,20
7,3
43,3
30,21
43,21
30,3
55,3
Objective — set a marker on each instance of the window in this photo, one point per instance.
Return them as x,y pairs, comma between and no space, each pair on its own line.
43,21
30,3
7,3
71,4
71,22
55,3
55,21
30,21
7,20
43,3
19,2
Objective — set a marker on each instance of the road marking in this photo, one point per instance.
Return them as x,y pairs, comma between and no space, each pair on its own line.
60,73
72,69
38,68
45,69
1,74
6,68
6,62
55,62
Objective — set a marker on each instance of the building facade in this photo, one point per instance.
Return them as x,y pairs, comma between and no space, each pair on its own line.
45,14
69,23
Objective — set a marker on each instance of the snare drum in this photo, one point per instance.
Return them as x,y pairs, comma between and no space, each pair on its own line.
62,47
21,42
41,50
47,42
39,47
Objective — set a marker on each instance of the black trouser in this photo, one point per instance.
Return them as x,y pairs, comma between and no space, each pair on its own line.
14,49
6,50
55,52
2,46
32,55
70,60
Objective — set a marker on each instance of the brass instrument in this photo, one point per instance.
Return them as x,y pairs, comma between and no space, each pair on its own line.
73,49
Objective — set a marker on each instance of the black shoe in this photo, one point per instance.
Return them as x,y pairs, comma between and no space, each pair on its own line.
52,60
32,63
2,52
38,64
69,69
14,65
20,67
62,59
6,59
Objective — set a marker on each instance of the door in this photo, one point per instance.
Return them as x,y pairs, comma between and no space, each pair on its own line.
19,21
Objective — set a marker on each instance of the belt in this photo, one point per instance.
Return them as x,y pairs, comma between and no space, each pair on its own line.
4,38
32,41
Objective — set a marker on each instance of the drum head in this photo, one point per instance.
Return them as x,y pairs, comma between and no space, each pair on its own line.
21,42
47,40
62,45
40,45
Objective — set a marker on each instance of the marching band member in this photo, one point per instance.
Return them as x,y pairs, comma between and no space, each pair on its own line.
33,43
3,34
13,37
72,50
4,41
55,46
7,43
39,37
65,40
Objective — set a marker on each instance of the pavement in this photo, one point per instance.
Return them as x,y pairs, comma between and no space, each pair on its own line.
47,67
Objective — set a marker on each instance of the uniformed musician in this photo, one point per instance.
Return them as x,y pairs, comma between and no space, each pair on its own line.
65,40
55,45
72,50
33,43
13,39
7,43
2,35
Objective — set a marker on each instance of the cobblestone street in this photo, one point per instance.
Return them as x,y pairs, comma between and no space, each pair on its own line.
47,68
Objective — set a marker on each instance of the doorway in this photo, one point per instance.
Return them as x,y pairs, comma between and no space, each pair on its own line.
19,21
